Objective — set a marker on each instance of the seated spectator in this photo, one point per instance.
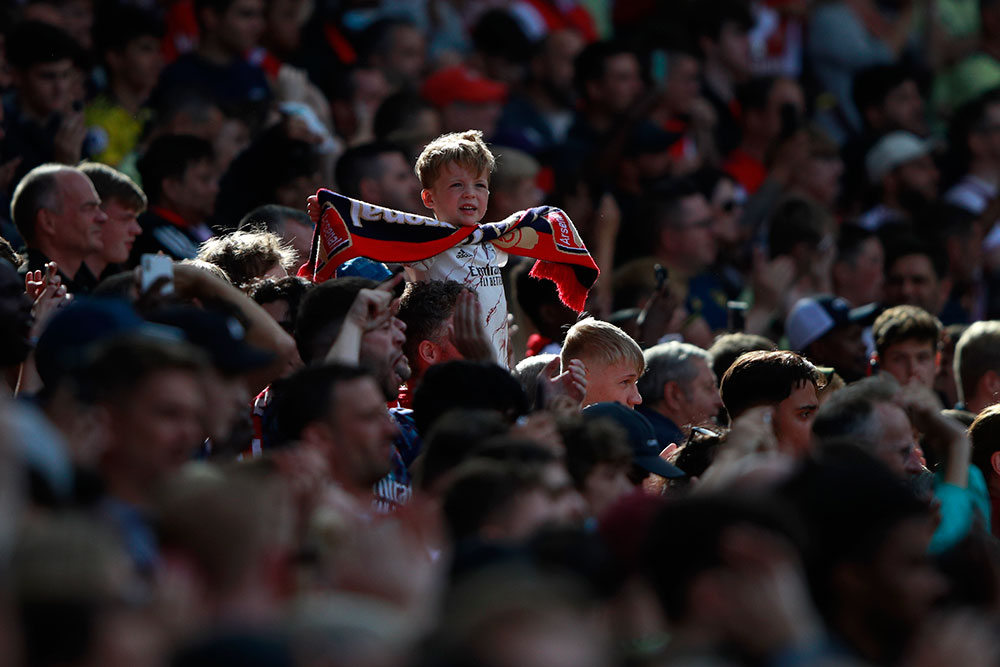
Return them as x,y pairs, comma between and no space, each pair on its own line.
248,256
293,173
42,123
495,502
916,274
457,385
408,120
971,141
783,380
66,581
679,390
647,452
439,316
764,103
128,43
181,182
546,313
867,414
281,299
985,438
540,110
878,416
228,30
465,99
122,202
721,32
151,391
395,47
705,580
339,412
59,216
514,185
608,82
859,545
888,98
685,245
903,174
185,111
291,225
379,173
727,348
977,366
454,438
819,175
830,333
858,272
801,230
599,460
15,320
613,361
907,340
228,378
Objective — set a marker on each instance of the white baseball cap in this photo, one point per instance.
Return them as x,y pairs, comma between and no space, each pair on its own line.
893,150
811,318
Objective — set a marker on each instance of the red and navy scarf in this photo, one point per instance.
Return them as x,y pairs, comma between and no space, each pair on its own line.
349,228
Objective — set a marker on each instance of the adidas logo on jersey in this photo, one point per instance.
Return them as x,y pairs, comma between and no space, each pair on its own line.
463,254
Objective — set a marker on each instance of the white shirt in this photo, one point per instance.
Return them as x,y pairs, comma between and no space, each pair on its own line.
477,266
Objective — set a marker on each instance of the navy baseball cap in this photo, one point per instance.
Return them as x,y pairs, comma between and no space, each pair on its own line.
641,437
62,347
221,336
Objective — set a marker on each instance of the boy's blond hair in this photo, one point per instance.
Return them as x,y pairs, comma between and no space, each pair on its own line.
601,341
466,149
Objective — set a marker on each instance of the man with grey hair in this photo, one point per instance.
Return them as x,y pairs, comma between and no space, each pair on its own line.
58,214
678,389
879,416
977,366
867,413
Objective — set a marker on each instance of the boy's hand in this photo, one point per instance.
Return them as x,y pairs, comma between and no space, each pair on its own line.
565,389
312,208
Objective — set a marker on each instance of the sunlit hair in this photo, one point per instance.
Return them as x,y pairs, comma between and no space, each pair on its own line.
596,340
466,149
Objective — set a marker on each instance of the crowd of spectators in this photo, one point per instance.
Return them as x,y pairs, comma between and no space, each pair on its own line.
771,438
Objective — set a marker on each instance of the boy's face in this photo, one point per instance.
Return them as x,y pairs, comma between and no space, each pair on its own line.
47,88
120,230
458,196
139,63
911,360
613,383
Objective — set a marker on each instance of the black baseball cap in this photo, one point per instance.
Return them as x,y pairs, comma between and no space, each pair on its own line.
641,437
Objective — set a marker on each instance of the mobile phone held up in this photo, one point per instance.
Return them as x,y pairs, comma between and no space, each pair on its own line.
154,269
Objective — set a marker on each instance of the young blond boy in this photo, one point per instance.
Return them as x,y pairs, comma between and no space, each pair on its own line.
613,360
454,172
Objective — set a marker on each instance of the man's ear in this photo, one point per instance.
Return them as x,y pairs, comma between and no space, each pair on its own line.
319,435
673,395
990,383
427,351
427,197
45,223
994,463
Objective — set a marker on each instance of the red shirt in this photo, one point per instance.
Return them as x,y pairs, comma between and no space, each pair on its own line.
746,169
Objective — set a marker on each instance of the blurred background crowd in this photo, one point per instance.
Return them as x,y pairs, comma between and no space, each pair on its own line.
771,439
